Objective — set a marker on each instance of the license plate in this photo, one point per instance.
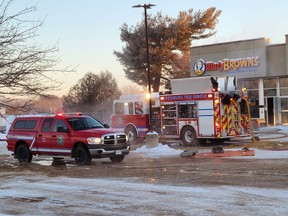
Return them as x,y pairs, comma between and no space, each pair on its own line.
118,152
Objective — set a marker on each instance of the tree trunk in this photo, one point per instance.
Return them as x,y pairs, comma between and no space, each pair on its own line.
156,82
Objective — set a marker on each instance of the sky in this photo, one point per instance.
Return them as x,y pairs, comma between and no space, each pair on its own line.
88,31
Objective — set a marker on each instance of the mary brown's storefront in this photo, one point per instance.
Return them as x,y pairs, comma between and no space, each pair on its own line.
260,67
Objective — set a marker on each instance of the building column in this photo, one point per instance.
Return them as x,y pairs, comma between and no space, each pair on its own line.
261,99
286,43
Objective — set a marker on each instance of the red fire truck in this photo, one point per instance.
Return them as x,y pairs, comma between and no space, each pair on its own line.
195,111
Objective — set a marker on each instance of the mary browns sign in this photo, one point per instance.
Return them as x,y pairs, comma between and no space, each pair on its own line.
200,67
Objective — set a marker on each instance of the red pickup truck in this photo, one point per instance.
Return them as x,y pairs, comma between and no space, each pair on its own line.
79,136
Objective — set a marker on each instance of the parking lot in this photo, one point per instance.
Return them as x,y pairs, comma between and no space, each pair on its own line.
147,184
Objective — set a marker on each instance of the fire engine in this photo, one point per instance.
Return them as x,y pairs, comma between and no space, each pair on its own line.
196,110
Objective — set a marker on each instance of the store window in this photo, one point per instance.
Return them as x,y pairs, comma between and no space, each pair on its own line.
250,84
270,87
284,104
284,86
284,110
253,95
284,117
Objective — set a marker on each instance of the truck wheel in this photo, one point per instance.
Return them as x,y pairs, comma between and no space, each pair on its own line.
188,137
117,159
131,133
23,153
82,156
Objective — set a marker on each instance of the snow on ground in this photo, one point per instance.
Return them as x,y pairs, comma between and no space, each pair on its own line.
160,150
278,133
67,196
125,196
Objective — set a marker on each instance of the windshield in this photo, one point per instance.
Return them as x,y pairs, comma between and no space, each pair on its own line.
84,123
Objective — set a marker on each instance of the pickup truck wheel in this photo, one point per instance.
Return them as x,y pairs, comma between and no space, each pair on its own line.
23,153
82,156
117,159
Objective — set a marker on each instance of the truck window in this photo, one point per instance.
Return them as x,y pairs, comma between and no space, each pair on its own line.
25,124
119,108
60,123
84,123
46,126
187,110
130,108
138,107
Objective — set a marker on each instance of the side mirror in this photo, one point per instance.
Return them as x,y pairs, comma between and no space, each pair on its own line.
106,126
62,129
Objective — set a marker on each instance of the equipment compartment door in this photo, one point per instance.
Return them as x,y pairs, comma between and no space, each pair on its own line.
206,118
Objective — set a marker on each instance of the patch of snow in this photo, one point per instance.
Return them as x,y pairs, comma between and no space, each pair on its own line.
160,150
123,197
3,148
282,128
153,132
268,154
3,136
164,150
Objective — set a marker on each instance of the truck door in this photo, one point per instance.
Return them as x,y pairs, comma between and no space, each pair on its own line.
60,140
43,139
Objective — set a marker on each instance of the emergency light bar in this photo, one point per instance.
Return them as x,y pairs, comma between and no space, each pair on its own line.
65,114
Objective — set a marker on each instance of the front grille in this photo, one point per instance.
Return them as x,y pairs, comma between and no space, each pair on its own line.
112,139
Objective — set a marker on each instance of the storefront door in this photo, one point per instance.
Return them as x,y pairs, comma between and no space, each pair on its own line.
269,111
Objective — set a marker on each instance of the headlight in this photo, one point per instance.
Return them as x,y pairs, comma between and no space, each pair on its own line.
94,140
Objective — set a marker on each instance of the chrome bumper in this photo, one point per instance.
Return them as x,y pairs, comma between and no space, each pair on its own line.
103,152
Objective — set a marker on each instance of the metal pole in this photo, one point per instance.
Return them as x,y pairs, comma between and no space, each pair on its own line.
149,72
148,6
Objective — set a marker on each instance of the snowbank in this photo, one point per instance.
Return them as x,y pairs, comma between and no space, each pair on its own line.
3,148
158,151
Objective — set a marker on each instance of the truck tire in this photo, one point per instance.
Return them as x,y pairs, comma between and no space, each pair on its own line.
188,137
117,159
82,156
131,133
23,153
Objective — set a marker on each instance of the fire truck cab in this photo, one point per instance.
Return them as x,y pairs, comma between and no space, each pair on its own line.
196,111
131,114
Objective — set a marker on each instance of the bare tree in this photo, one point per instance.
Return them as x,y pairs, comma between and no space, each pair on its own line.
132,88
26,69
91,92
